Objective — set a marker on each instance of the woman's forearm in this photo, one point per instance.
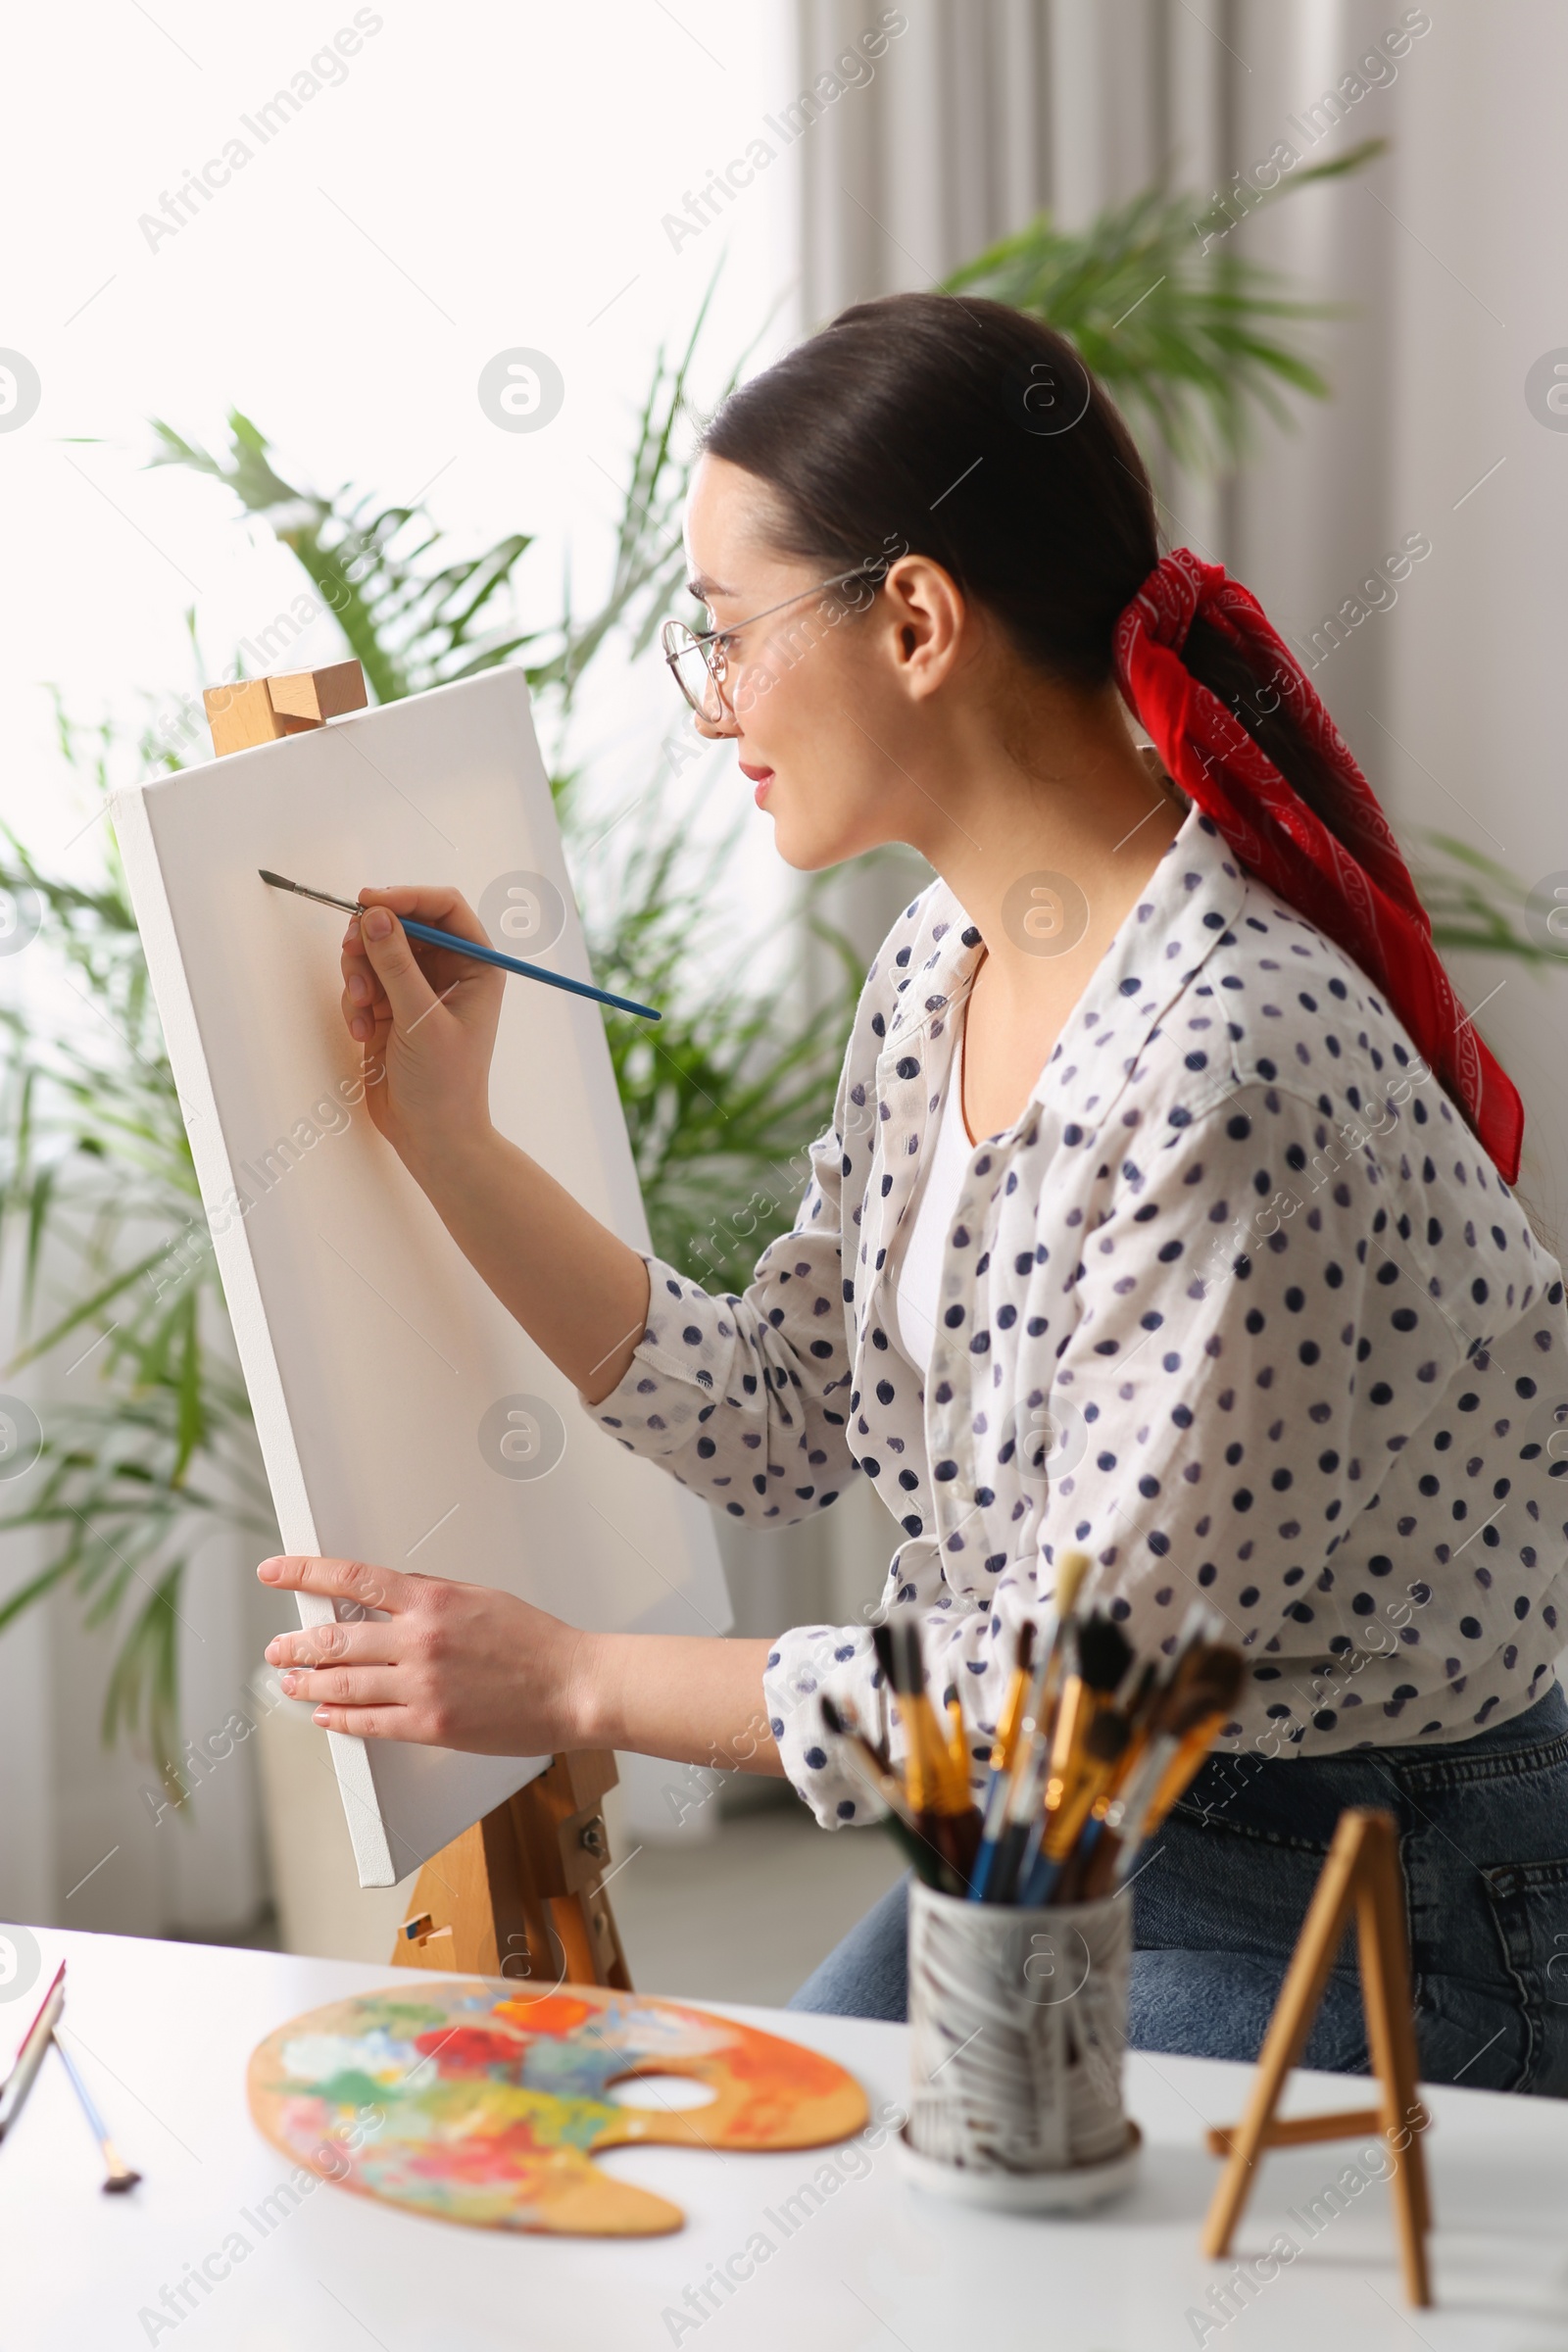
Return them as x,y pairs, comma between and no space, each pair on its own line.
684,1696
577,1291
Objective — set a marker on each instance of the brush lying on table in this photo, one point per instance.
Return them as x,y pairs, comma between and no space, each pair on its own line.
1092,1750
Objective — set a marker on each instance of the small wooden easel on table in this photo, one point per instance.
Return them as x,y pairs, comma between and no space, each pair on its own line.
519,1894
1361,1875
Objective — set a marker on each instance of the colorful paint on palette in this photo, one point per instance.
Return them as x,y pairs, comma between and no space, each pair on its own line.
475,2102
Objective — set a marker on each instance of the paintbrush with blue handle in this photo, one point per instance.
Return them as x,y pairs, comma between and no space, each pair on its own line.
471,947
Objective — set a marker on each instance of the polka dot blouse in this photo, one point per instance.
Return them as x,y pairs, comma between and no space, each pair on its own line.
1238,1305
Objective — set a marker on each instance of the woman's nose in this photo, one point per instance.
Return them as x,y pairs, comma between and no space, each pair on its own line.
715,730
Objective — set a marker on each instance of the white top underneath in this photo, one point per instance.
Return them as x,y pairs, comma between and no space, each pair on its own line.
919,1280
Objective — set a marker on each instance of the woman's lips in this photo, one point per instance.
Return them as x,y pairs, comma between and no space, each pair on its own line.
760,777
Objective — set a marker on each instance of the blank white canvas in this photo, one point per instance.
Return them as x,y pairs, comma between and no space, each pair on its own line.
372,1350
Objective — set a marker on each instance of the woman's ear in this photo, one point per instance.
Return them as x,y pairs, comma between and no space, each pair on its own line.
927,621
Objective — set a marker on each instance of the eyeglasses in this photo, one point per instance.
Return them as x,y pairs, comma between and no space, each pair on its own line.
699,663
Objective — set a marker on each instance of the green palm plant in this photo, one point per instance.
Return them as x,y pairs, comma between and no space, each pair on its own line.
1189,342
1477,904
723,1102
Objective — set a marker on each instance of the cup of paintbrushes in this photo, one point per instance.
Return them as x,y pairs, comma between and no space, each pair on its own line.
1017,2004
1020,1927
1019,2021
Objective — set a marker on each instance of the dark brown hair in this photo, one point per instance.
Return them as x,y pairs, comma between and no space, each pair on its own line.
970,433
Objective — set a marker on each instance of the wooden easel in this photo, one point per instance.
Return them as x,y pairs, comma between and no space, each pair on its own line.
519,1894
1361,1874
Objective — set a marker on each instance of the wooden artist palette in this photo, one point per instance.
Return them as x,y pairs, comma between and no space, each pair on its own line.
473,2101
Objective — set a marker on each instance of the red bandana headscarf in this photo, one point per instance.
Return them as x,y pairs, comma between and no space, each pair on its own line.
1352,883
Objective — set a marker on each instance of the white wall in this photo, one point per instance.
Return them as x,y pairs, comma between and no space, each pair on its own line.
1476,675
1454,251
484,177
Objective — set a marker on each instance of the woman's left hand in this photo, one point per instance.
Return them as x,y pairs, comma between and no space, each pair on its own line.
451,1665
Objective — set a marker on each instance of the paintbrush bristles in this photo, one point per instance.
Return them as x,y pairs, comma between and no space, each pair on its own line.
1104,1654
867,1765
908,1655
1011,1721
1212,1688
1075,1567
1093,1746
322,897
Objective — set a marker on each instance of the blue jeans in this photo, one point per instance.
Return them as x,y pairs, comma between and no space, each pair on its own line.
1219,1901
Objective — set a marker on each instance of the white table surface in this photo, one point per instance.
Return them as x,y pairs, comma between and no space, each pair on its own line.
163,2032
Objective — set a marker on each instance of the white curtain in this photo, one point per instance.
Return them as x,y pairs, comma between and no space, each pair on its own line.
1448,254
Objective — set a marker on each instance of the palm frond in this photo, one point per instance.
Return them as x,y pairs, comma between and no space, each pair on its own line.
1476,903
1188,341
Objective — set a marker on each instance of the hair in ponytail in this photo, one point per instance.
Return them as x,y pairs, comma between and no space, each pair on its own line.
974,434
